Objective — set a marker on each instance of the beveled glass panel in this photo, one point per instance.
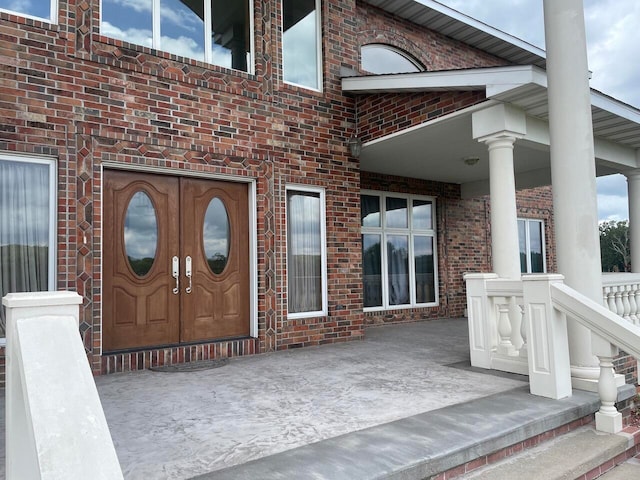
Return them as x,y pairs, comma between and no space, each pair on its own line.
396,213
216,236
141,233
370,210
422,215
372,270
398,267
423,261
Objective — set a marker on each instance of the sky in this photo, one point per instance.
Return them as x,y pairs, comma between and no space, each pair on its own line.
613,36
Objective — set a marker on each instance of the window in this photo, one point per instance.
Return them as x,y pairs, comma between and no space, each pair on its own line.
301,50
398,250
531,238
27,226
378,58
217,31
38,10
306,252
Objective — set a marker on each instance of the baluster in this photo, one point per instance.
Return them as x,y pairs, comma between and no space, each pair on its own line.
633,305
619,306
505,347
608,419
626,308
637,296
605,296
523,332
515,316
611,298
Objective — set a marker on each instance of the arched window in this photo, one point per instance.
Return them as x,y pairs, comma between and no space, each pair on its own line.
378,58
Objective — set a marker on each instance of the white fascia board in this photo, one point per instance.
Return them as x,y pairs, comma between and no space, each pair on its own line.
618,108
498,78
472,22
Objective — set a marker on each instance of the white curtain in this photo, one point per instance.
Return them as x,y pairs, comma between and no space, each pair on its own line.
24,229
304,252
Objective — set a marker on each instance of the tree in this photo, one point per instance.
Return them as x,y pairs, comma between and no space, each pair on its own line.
615,249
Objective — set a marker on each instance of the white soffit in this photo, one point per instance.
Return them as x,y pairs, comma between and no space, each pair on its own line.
522,85
453,24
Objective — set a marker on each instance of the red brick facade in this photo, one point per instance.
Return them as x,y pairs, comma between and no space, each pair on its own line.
92,102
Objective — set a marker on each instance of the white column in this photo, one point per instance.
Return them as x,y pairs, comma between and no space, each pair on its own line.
633,187
499,126
505,250
573,167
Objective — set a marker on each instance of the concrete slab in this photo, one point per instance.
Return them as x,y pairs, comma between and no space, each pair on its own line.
179,425
422,445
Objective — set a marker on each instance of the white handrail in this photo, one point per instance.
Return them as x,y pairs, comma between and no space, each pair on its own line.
597,318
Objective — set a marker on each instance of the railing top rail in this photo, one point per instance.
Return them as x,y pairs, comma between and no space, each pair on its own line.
501,287
616,279
597,318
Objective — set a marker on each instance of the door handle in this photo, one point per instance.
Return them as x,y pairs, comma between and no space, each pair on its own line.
187,272
176,274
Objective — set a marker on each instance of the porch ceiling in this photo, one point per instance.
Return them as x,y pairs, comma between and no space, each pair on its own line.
437,149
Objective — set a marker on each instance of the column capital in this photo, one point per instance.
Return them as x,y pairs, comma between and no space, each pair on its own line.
632,174
498,120
501,139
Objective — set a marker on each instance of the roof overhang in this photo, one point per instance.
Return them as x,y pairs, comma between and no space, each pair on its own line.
436,149
456,25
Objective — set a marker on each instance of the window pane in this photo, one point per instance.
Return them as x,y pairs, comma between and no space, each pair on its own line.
522,240
396,213
182,28
37,8
398,266
141,233
370,210
216,235
422,215
128,21
304,252
384,59
423,257
300,42
24,229
535,247
231,33
372,270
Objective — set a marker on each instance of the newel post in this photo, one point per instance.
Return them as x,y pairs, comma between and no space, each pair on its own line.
482,321
548,345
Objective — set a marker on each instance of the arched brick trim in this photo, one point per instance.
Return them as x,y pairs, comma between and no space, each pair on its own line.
395,40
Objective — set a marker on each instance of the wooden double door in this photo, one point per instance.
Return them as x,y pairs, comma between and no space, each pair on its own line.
175,260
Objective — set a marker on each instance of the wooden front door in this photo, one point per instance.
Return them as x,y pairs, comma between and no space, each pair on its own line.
176,260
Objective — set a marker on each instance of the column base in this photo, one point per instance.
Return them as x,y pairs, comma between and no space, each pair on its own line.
591,385
608,423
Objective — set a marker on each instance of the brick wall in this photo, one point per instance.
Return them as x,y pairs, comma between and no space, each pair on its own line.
92,102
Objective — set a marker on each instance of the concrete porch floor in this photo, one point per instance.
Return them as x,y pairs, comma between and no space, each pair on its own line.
179,425
260,412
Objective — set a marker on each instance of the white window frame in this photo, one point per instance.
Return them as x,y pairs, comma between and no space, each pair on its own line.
411,233
156,42
527,223
53,13
323,248
53,209
319,55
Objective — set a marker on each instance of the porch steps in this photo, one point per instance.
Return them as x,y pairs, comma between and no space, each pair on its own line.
453,439
579,454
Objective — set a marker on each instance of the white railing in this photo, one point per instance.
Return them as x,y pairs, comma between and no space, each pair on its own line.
55,425
493,318
621,295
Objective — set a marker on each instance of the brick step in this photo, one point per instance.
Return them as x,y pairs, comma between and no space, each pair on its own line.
625,471
580,454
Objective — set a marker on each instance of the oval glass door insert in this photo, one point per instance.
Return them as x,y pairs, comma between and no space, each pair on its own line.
141,233
215,235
